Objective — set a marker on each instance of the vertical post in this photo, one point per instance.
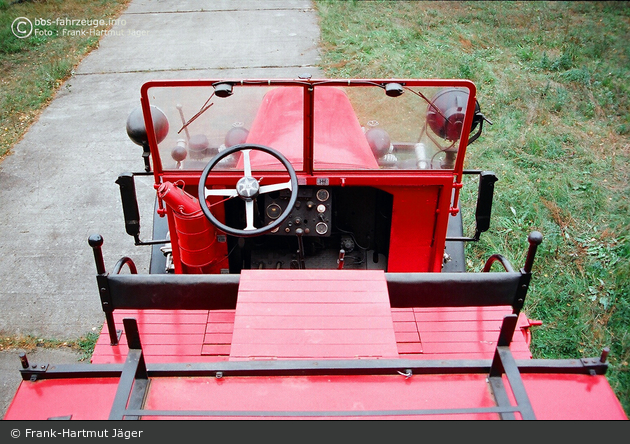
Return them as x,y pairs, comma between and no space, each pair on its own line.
505,338
114,335
309,111
504,363
534,239
133,382
96,241
24,360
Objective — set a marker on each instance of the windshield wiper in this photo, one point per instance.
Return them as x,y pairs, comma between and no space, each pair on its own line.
203,109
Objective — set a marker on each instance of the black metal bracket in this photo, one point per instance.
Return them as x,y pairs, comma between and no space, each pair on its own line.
131,212
504,363
596,366
33,370
134,380
483,208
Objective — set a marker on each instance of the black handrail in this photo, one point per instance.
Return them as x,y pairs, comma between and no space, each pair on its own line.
125,261
500,258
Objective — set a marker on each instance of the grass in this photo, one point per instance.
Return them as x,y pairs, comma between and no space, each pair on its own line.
33,68
84,345
553,79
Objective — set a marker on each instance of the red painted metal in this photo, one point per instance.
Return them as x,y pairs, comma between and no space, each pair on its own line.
341,146
336,314
413,233
84,399
574,397
199,249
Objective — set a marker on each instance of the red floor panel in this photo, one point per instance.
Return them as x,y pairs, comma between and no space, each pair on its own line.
318,314
575,397
315,394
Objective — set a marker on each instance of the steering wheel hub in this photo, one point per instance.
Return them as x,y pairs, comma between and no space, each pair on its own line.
247,187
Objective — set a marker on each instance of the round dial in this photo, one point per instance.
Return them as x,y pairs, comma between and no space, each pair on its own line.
322,195
273,211
321,228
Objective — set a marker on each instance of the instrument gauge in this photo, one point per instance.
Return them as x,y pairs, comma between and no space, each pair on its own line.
273,211
322,195
321,228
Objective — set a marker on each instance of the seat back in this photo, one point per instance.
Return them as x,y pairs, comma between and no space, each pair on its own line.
453,289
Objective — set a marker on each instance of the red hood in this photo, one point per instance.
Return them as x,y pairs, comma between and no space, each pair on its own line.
339,140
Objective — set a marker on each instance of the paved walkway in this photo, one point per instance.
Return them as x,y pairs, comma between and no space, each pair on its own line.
57,187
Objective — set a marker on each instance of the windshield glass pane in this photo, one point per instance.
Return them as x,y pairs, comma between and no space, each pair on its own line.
362,126
201,124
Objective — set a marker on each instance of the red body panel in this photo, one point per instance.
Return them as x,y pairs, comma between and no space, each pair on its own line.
84,399
280,123
414,218
575,396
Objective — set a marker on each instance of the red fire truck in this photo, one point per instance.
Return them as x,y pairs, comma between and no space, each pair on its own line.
307,261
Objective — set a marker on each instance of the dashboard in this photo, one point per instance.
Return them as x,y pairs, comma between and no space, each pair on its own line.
311,215
327,224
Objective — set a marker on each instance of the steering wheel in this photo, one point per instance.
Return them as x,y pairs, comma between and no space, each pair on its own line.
247,188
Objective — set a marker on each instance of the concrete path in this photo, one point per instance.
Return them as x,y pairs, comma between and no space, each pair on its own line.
57,187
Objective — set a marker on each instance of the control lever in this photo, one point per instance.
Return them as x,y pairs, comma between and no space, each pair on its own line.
342,254
301,265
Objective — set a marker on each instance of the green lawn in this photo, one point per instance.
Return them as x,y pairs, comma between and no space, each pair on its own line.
553,79
34,67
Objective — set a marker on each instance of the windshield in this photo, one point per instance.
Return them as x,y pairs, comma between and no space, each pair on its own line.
364,125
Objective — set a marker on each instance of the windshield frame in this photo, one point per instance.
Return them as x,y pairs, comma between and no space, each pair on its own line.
310,87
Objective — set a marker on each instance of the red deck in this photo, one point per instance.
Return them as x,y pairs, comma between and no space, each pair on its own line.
346,310
321,324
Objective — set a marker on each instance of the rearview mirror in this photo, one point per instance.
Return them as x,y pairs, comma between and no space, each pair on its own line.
484,201
483,211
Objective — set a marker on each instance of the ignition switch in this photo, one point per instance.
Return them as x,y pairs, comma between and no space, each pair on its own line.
347,244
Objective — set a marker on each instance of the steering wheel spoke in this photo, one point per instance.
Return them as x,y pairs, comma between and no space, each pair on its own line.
247,164
275,187
224,192
249,215
248,189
